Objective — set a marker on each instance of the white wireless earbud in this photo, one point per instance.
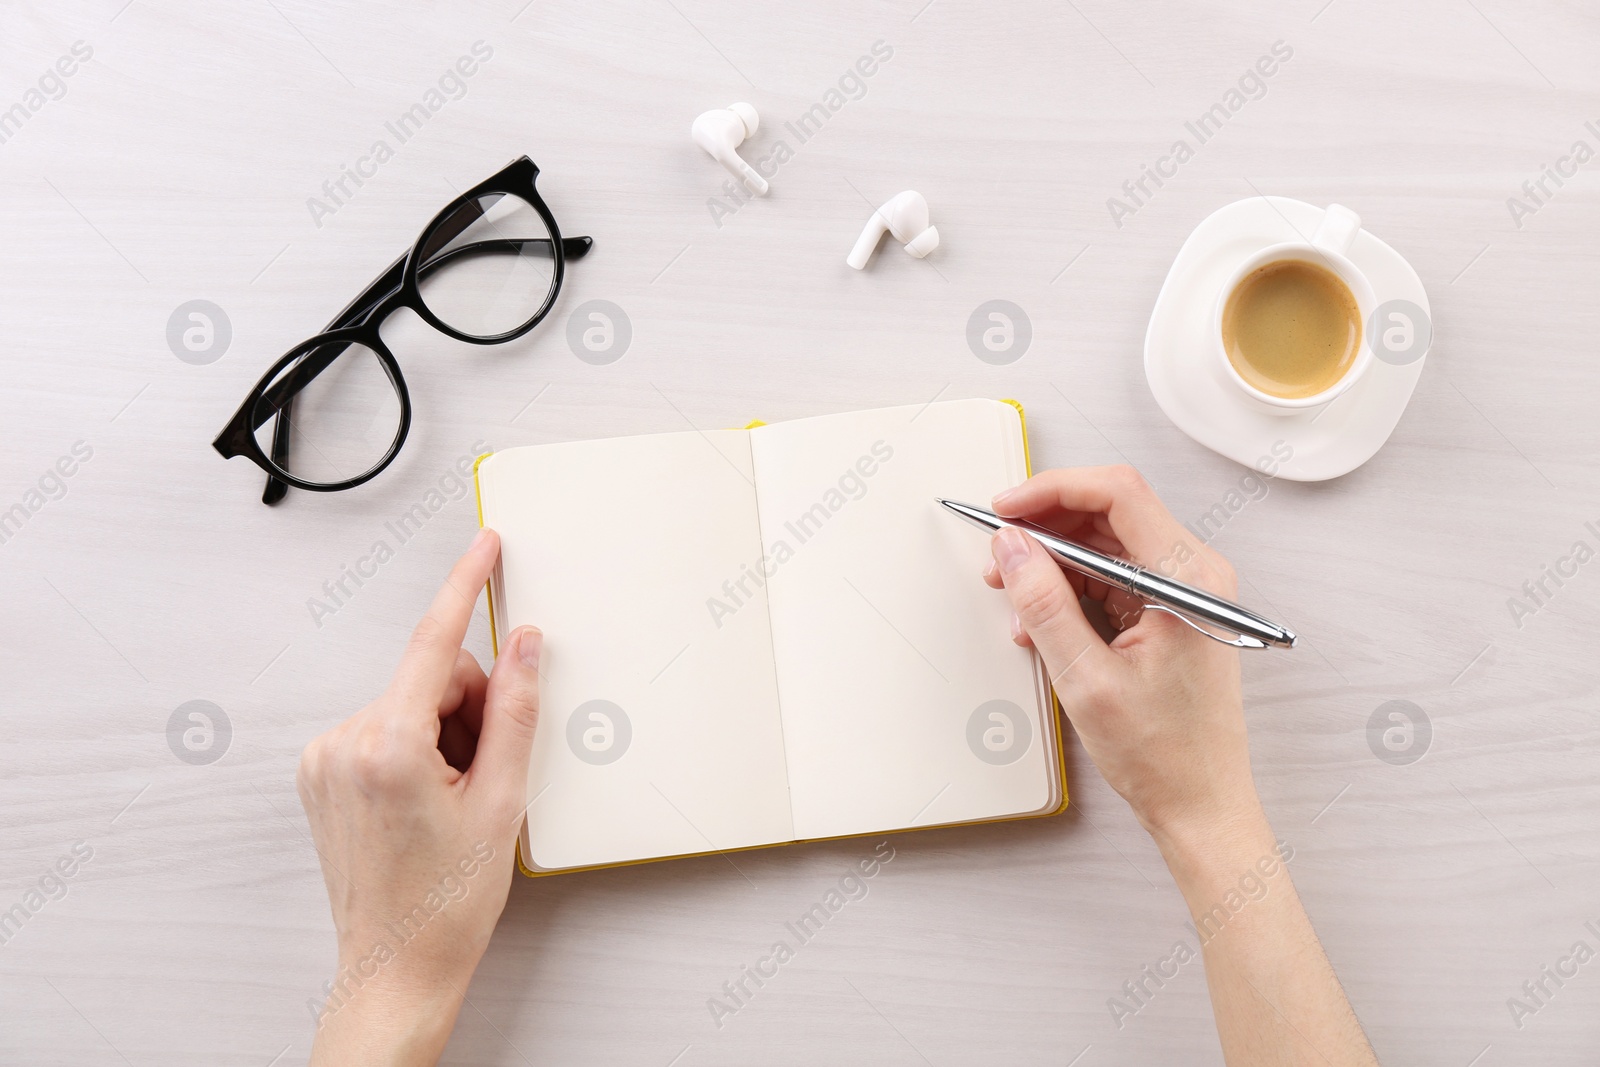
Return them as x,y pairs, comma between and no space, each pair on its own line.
719,132
905,216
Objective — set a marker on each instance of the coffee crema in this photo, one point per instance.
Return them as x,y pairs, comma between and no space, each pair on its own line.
1292,329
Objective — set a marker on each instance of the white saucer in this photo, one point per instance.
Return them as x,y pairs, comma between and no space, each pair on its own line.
1327,442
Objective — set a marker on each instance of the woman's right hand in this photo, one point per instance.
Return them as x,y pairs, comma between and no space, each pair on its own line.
1159,708
1159,711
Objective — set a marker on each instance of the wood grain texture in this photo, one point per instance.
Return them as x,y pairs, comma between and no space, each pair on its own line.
178,165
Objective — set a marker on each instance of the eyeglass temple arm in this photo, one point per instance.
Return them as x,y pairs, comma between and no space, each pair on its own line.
571,248
280,398
281,395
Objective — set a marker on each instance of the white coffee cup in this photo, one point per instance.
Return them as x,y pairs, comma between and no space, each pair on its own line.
1327,248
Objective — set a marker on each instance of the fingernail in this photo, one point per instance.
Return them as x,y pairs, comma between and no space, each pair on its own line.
530,643
1011,549
1016,627
988,570
483,533
1000,499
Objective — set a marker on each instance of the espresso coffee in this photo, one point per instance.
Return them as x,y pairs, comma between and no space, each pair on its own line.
1292,328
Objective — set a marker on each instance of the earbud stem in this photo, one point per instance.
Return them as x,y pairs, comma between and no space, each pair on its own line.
740,169
867,243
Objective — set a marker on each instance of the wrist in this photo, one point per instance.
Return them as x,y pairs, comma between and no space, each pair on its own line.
1210,851
386,1026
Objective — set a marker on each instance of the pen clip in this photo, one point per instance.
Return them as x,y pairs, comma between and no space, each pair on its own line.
1239,641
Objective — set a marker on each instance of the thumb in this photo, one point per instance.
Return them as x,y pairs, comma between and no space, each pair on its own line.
1048,609
510,714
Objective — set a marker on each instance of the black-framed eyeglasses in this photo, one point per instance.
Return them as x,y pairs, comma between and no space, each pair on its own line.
486,270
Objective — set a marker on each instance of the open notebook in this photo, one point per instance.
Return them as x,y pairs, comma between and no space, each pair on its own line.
760,636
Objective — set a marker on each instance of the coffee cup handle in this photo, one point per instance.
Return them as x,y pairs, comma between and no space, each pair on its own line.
1339,228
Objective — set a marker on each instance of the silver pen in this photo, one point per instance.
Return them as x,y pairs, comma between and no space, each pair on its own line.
1185,602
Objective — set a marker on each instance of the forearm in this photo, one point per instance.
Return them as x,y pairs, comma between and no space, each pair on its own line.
1274,994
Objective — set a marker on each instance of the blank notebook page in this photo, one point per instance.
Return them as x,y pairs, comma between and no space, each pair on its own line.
885,637
615,548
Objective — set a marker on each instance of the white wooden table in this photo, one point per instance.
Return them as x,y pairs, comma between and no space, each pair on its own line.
177,165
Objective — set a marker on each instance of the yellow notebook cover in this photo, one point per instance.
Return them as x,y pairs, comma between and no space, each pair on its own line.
1060,736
